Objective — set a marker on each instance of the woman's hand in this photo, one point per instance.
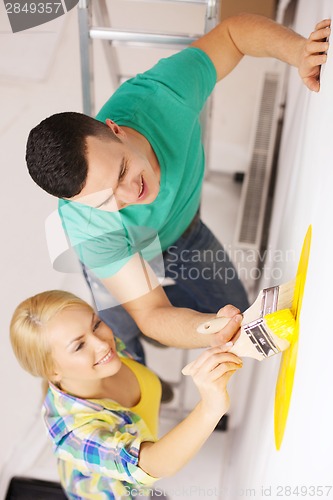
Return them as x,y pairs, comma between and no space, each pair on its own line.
211,372
314,55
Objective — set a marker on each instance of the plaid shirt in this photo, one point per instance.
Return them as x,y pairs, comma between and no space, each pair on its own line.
97,444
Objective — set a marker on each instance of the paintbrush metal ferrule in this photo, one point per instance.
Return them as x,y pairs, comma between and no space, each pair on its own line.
261,338
257,331
269,301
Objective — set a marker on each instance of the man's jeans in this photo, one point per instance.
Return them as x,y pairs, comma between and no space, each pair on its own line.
205,280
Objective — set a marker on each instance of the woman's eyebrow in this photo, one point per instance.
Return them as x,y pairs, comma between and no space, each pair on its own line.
83,335
75,340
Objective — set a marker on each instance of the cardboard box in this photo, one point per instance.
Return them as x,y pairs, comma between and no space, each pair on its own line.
263,7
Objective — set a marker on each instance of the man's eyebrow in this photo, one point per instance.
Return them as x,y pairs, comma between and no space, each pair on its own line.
122,166
83,335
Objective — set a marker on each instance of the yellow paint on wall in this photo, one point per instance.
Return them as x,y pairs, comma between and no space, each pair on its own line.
285,380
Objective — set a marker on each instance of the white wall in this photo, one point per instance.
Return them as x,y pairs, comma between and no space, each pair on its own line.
34,92
303,197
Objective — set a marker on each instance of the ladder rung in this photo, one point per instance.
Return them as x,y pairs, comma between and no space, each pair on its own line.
132,37
211,5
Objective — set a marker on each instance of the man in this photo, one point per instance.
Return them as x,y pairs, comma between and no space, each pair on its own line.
130,182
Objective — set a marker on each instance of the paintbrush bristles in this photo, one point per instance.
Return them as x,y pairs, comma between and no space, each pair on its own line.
286,295
281,324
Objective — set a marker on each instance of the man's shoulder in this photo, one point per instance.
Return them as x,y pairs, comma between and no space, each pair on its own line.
171,74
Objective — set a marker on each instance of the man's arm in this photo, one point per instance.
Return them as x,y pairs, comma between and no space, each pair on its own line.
136,287
176,326
248,34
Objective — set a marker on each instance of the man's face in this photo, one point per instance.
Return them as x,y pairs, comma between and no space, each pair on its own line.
119,175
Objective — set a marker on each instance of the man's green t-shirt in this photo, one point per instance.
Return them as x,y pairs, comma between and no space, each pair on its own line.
164,105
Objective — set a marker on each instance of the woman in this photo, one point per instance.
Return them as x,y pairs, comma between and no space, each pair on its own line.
101,407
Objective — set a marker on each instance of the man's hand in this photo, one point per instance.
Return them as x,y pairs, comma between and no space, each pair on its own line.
259,36
231,331
314,55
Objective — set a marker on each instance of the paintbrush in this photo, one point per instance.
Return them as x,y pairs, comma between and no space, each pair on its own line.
267,327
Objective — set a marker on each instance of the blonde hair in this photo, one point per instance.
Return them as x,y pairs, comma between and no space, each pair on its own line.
28,327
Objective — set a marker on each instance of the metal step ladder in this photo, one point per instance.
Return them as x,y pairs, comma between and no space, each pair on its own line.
112,37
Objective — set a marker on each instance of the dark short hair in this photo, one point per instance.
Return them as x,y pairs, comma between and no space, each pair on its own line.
56,152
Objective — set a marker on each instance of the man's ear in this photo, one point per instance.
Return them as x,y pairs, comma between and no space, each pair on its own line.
116,129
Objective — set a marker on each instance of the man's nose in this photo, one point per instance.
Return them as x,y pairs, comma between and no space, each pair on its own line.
128,192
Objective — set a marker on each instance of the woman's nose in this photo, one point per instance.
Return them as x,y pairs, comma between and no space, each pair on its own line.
100,344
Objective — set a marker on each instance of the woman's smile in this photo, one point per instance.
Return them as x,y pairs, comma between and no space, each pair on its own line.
106,359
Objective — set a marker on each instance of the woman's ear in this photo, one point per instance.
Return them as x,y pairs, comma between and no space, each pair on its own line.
116,129
55,377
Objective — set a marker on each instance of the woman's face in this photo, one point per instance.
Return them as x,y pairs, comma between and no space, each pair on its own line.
83,347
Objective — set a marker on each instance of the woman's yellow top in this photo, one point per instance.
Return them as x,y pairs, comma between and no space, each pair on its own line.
150,387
